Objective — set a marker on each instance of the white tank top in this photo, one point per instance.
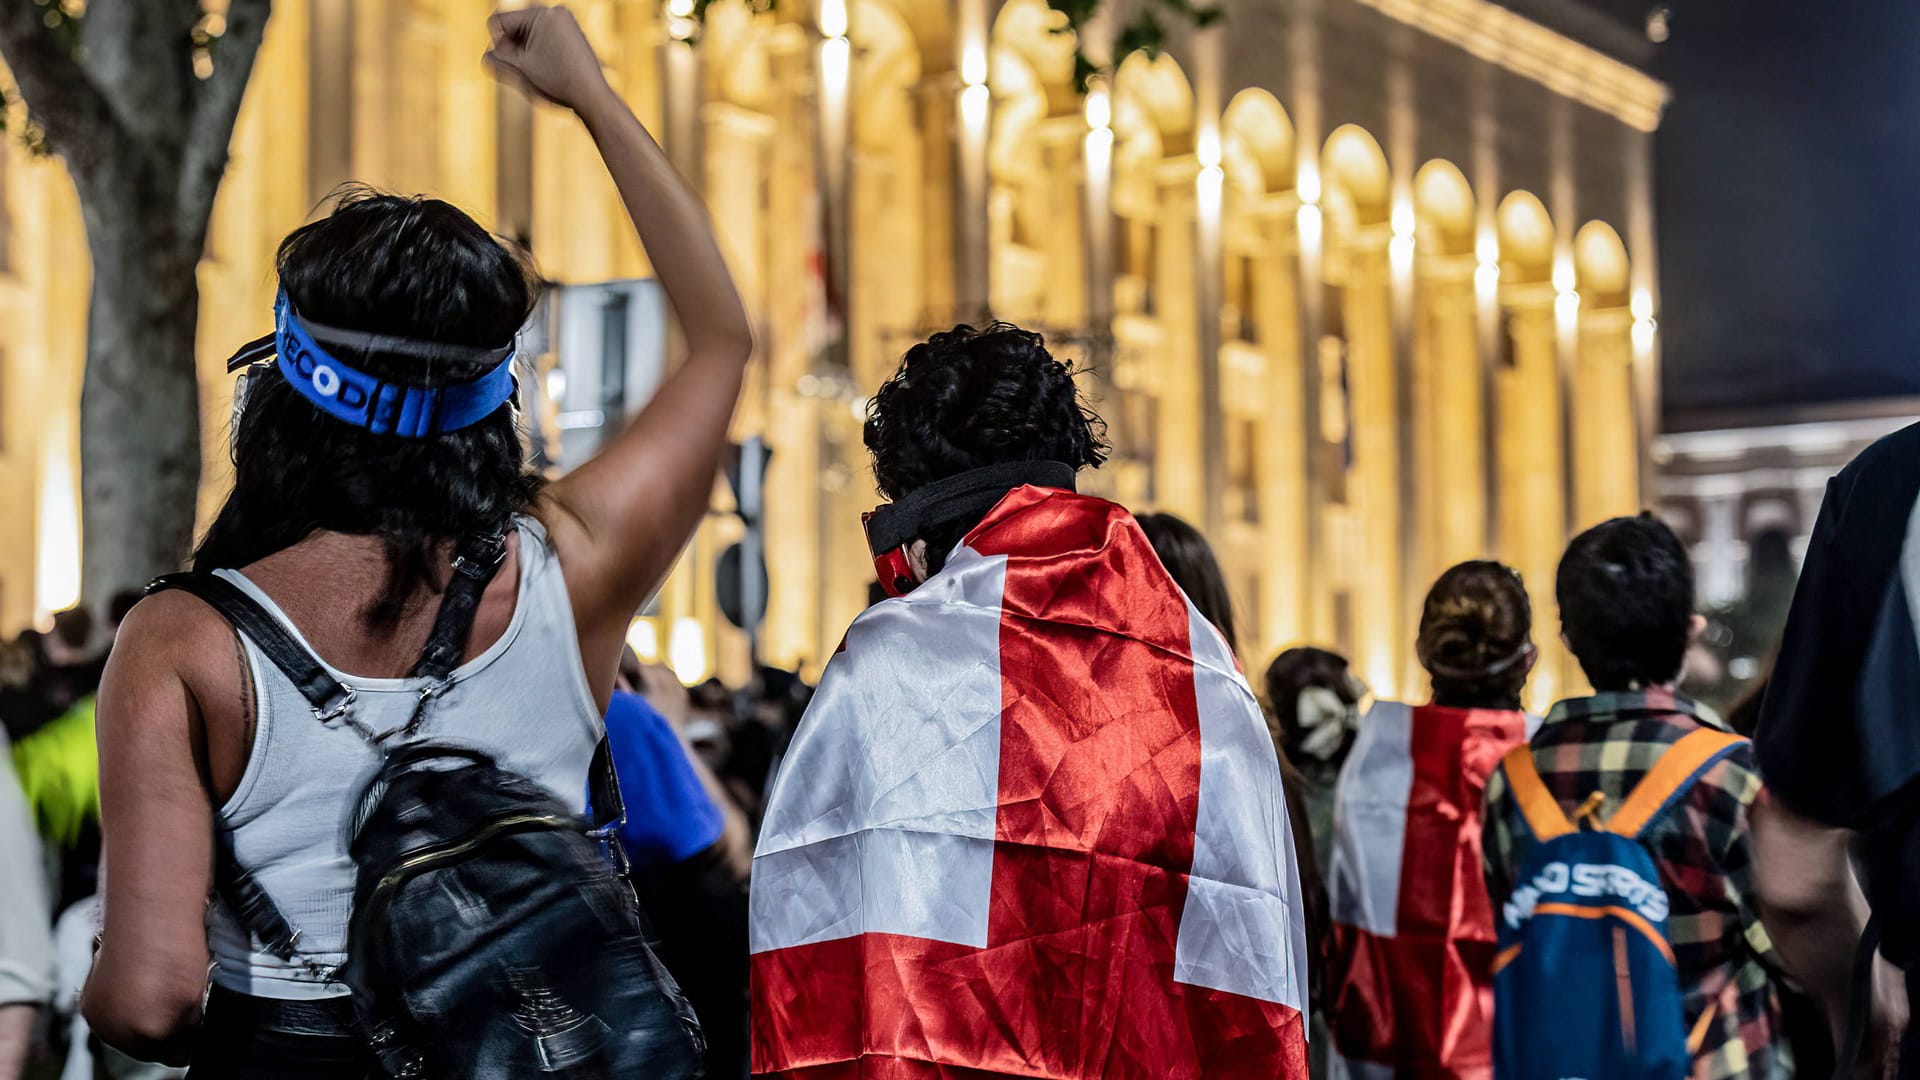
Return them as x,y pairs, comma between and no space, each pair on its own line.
525,701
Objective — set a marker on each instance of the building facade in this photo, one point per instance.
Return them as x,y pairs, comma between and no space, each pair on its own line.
1362,287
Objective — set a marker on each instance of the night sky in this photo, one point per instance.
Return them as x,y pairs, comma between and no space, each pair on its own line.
1788,173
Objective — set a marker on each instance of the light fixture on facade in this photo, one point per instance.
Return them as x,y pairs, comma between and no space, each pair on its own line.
835,56
1307,183
1644,328
1563,276
1486,279
644,637
1402,221
680,22
1486,270
1207,188
1307,223
1643,332
973,64
57,577
1099,106
833,18
974,99
687,650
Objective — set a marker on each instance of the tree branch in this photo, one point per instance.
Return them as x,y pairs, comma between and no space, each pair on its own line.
216,106
62,99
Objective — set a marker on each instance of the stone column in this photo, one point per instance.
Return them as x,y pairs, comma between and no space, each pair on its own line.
1606,452
1180,472
795,634
1374,482
1531,466
1285,605
1449,458
939,172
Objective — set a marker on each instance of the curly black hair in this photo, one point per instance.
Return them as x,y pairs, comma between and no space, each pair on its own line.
965,399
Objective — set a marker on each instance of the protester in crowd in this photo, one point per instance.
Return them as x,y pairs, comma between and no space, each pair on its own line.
26,938
1313,710
687,846
1839,743
989,848
1407,813
1190,560
1625,591
347,535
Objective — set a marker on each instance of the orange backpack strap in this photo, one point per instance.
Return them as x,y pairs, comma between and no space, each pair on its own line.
1536,803
1671,774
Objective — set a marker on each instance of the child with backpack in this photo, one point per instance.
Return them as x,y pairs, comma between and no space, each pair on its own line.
1618,851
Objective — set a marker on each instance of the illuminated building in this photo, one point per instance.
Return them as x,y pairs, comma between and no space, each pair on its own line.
1366,286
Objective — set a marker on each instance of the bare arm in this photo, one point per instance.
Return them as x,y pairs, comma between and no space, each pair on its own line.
1814,912
157,827
620,520
16,1038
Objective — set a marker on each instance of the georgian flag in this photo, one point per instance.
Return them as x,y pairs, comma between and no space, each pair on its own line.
1413,936
1031,825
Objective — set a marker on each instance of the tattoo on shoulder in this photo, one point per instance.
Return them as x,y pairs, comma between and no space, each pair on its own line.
247,717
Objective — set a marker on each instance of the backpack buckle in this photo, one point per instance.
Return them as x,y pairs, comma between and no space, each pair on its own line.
337,712
487,553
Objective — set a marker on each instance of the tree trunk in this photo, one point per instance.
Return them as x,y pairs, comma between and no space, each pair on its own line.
139,407
141,116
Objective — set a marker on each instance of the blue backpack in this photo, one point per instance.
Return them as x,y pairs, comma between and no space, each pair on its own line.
1584,983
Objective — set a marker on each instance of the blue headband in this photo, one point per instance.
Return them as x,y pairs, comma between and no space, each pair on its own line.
368,401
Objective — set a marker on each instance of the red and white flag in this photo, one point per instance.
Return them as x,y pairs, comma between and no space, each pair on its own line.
1411,958
1031,825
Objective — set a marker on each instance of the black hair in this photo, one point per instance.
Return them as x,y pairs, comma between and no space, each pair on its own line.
1190,559
1299,669
1474,632
1625,590
965,399
411,267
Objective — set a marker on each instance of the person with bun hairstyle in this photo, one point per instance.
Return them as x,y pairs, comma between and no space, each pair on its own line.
1410,964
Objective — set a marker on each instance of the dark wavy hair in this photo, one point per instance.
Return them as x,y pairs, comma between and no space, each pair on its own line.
965,399
1190,559
1625,589
407,266
1474,633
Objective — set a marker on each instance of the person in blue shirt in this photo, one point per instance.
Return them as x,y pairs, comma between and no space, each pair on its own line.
670,815
687,845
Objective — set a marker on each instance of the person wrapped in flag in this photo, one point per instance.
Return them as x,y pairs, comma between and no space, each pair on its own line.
1031,824
1410,962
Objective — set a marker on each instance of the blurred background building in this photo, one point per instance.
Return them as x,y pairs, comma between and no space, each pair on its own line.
1365,287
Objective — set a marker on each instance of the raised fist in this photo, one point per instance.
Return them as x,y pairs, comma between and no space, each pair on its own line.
543,49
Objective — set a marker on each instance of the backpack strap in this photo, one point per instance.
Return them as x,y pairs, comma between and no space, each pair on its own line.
1670,777
325,693
1536,803
243,894
473,568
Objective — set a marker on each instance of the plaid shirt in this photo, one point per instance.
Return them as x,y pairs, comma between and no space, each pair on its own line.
1606,743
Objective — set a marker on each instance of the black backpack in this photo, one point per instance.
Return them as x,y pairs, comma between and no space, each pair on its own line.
491,935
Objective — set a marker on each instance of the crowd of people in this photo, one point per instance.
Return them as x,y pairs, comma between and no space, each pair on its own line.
379,791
